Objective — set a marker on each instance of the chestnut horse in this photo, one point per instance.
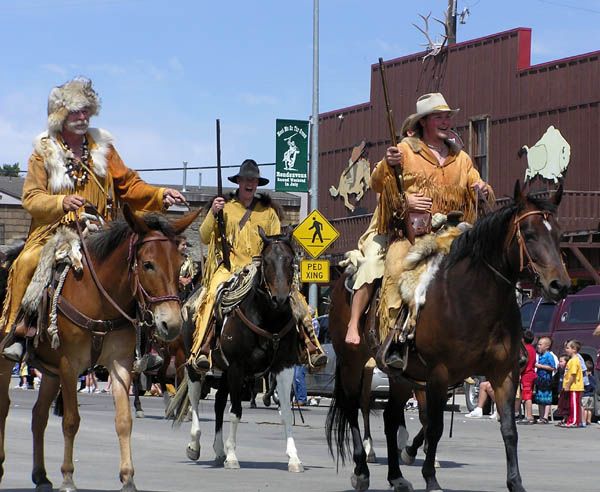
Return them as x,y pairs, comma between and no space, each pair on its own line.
470,324
137,263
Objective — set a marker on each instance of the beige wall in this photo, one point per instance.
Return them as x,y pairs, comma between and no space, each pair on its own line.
15,221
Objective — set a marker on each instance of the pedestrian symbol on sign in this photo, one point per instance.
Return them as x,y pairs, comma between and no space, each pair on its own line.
317,226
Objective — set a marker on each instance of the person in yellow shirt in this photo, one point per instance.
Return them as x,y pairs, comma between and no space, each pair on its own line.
573,385
438,177
72,165
243,214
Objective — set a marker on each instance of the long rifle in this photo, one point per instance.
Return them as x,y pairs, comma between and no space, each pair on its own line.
220,219
408,230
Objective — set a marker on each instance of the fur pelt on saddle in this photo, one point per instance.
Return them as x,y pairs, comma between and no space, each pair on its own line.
63,248
421,265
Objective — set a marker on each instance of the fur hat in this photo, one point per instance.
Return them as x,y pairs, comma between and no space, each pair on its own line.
427,104
71,96
249,169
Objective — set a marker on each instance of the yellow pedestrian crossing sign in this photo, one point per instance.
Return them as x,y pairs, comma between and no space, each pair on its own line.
314,271
315,234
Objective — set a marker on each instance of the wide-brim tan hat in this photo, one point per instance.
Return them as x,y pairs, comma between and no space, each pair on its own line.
427,104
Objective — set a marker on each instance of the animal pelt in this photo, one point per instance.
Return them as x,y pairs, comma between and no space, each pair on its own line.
55,157
63,248
8,254
421,265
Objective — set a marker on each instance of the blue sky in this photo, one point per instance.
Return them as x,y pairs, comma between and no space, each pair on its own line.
166,70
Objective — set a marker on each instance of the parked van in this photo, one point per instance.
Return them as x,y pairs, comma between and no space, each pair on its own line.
576,316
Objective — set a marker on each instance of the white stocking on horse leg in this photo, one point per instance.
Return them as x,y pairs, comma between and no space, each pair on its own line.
193,447
231,461
284,384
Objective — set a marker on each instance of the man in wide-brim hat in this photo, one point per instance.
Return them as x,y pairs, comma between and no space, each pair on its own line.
71,165
243,214
438,176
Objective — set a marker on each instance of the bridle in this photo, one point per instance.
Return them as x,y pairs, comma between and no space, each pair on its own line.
523,251
263,285
143,299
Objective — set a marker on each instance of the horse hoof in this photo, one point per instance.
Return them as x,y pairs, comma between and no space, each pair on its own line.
44,487
436,464
139,414
67,487
129,487
266,401
371,458
401,485
192,454
295,467
220,460
406,458
359,482
231,465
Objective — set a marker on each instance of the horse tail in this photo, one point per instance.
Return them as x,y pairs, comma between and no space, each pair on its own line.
337,424
180,403
59,405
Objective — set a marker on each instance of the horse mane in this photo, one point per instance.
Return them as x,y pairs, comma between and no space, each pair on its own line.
104,242
485,241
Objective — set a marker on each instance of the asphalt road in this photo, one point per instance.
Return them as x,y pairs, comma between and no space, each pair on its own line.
552,459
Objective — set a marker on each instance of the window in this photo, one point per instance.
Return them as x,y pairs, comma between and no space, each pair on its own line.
584,311
478,144
527,311
542,322
2,238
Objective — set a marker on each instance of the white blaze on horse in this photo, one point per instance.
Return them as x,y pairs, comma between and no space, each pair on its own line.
258,336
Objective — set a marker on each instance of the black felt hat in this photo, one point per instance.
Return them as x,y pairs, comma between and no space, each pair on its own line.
249,169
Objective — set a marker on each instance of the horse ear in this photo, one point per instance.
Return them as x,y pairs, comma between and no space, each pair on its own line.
263,235
184,222
558,195
519,196
137,224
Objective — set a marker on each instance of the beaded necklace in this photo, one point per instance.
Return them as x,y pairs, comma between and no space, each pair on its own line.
75,170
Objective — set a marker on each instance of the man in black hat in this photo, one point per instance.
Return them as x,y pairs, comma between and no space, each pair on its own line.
243,214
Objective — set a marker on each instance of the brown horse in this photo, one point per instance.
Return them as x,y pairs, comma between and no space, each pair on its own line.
470,324
137,264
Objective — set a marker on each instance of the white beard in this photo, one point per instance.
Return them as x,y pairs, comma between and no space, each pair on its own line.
78,127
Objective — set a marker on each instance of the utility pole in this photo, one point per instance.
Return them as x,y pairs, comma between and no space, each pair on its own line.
313,292
184,187
451,22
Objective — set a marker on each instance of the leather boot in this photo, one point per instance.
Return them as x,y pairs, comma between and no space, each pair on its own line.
16,350
317,358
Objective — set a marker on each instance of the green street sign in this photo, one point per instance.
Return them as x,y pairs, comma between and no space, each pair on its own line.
291,155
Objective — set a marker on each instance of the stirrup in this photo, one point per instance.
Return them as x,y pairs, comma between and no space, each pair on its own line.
200,363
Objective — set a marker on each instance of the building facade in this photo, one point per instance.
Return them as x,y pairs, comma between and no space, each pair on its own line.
505,104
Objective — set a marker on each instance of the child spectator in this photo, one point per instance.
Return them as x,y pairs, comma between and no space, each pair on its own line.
528,379
573,385
587,402
543,382
562,410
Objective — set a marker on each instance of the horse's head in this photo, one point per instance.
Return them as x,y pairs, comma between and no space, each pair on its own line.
155,263
277,267
537,236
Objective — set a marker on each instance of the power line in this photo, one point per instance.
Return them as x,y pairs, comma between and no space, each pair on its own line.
568,6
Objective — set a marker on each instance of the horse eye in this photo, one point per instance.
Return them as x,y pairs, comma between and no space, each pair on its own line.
148,265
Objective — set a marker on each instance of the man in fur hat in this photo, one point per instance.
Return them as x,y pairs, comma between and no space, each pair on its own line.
243,214
72,165
438,176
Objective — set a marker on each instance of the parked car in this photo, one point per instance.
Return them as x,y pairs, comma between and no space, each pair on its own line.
322,382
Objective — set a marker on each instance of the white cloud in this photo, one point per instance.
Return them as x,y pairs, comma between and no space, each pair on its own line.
257,99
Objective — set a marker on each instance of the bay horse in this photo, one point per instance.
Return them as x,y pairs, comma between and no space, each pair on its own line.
136,263
257,337
458,335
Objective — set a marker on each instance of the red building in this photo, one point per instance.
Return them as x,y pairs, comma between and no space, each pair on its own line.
505,103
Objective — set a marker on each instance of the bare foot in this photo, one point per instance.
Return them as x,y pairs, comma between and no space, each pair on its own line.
352,336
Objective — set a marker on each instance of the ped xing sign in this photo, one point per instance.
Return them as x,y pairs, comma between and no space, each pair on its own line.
291,155
314,271
315,234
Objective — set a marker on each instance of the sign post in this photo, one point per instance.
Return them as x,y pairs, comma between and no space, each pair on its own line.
291,155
